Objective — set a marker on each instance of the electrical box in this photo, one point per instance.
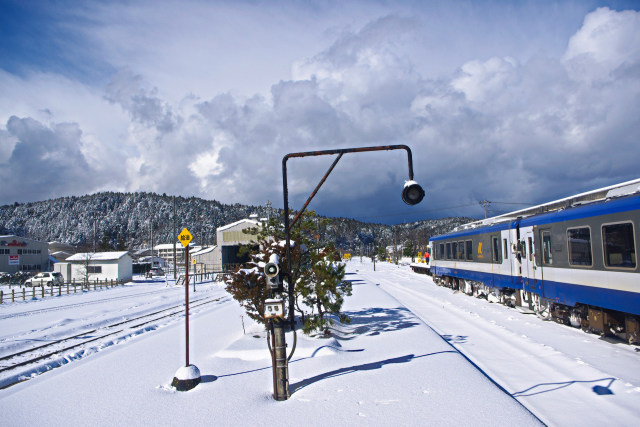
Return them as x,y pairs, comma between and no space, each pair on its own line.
273,308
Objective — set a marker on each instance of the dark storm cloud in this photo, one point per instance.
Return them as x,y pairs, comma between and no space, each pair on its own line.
45,162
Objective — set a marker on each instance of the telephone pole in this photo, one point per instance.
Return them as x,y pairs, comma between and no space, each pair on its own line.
485,204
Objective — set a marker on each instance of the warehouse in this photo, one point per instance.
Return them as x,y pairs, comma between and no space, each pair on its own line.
230,238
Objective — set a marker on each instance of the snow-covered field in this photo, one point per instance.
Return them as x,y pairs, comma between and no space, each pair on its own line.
414,354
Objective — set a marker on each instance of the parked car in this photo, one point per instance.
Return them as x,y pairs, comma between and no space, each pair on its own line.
155,272
42,279
4,277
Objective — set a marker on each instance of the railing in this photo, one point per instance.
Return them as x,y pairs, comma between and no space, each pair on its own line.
56,290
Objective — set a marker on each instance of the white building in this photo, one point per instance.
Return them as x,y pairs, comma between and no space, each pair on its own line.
101,266
205,260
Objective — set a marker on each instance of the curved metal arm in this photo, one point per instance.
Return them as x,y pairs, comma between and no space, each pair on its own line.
287,226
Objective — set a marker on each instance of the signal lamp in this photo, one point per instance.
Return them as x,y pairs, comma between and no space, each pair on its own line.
412,193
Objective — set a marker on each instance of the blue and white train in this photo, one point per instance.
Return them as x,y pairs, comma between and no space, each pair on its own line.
573,260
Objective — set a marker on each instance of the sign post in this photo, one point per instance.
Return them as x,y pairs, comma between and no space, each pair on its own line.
188,376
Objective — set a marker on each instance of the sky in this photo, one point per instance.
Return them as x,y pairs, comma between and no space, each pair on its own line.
512,102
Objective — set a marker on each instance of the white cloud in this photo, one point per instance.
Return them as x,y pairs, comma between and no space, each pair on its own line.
501,127
607,45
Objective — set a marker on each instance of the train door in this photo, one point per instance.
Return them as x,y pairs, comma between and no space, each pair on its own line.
546,257
531,273
496,259
515,258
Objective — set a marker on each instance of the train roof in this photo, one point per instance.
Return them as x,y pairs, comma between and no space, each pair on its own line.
614,191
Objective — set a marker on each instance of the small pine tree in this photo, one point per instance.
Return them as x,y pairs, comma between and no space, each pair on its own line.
316,270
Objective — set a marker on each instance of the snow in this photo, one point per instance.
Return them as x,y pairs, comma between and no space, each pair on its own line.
190,372
97,256
242,221
414,354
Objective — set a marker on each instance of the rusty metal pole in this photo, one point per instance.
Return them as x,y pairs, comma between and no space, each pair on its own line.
186,300
280,358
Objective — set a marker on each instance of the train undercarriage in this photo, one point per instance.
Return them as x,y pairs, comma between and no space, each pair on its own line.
598,320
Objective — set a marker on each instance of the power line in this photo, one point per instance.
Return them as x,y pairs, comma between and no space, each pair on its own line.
415,212
441,209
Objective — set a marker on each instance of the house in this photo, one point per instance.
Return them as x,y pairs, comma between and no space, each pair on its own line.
101,266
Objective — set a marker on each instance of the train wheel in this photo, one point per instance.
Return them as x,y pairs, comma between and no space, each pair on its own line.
577,317
633,329
468,288
542,307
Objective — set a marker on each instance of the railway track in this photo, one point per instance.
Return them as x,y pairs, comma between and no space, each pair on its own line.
12,362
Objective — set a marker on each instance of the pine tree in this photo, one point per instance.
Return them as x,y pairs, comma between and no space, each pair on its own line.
316,271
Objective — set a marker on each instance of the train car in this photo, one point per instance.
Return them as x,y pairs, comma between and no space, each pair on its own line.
573,260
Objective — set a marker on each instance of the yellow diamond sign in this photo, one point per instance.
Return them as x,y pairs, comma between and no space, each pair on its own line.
185,237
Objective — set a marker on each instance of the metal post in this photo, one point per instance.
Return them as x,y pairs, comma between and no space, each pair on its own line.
281,368
186,299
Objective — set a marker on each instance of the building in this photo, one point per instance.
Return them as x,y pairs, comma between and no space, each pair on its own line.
60,256
230,238
153,262
101,266
22,254
165,251
205,260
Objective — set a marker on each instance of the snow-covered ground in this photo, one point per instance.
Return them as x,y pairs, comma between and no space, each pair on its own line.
414,354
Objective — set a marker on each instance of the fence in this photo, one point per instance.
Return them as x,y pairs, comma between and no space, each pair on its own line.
56,290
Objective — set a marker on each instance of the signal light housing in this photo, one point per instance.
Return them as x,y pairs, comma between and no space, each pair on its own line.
412,193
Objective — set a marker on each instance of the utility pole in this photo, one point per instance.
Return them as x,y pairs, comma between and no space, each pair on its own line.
485,203
175,265
94,233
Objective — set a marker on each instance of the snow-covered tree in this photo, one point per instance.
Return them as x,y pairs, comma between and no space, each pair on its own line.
316,271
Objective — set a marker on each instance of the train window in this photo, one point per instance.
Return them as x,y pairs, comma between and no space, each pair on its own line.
460,250
547,258
579,241
495,249
469,244
619,246
441,251
530,241
505,248
454,249
448,250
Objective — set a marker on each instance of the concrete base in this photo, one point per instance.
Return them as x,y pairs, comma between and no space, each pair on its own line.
186,378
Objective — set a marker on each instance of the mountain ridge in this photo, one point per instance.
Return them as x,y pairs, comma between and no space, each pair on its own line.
125,220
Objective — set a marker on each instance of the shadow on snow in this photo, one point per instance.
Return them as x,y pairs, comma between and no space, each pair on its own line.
548,387
357,368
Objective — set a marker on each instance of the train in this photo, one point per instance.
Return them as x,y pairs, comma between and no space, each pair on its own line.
572,260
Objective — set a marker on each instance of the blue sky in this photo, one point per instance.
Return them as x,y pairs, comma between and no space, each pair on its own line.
503,101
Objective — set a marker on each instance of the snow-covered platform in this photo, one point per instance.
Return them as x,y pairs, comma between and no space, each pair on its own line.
386,368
